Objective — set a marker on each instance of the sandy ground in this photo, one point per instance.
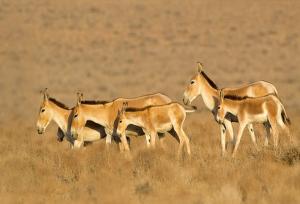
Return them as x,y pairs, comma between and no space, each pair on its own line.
131,48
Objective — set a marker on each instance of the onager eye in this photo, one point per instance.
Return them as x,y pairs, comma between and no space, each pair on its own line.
75,116
43,110
192,82
120,121
219,107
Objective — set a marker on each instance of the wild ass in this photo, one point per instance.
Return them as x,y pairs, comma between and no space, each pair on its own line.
153,120
105,113
265,109
51,109
202,85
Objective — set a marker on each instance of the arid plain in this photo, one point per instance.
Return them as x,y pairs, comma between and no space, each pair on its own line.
110,49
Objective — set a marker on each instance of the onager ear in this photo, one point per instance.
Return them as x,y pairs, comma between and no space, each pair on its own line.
45,94
79,98
200,67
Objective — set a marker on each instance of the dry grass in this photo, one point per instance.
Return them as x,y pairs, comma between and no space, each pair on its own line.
129,48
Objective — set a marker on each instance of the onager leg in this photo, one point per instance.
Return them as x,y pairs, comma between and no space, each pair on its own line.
238,139
251,131
229,129
148,139
286,129
274,132
267,127
161,137
153,137
124,142
108,137
187,141
181,140
79,142
223,138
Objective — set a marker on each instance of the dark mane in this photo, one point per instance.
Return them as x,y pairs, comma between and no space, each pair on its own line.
235,97
209,80
131,109
93,102
60,104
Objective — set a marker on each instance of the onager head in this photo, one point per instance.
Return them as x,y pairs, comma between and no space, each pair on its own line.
122,122
194,88
221,108
77,118
45,113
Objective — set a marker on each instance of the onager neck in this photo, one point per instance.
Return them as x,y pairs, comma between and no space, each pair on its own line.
60,116
135,118
209,94
96,113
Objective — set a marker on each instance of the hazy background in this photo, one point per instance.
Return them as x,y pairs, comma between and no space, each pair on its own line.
110,49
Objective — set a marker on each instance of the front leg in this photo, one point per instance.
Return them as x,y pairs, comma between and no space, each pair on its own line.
148,139
153,137
108,136
79,142
228,127
124,142
161,137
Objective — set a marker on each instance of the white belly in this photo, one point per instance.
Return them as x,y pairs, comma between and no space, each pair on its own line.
90,135
164,127
258,118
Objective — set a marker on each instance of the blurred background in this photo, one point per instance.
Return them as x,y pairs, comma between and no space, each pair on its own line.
110,49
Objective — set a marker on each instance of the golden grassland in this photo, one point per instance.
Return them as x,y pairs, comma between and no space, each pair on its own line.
131,48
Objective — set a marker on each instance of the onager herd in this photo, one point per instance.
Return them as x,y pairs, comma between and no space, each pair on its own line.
155,114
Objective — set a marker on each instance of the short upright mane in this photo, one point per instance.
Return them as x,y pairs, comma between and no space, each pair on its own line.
93,102
131,109
60,104
235,97
209,80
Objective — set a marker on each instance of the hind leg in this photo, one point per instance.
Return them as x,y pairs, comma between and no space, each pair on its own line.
253,138
286,129
186,141
274,132
267,127
181,140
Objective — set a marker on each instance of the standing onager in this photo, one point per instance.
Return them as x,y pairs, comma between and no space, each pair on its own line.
154,120
105,113
201,84
51,109
254,110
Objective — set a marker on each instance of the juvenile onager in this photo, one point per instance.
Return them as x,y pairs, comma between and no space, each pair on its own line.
254,110
155,119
